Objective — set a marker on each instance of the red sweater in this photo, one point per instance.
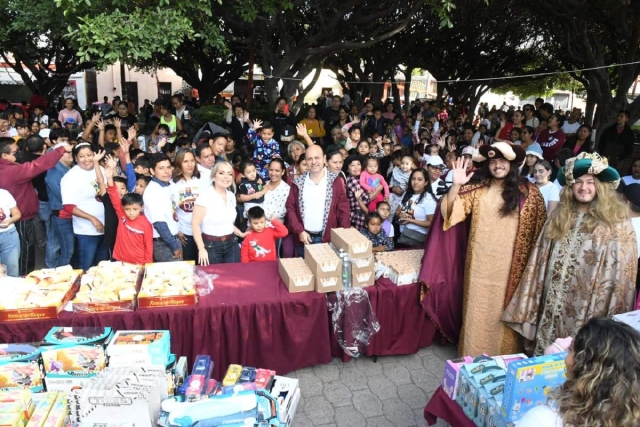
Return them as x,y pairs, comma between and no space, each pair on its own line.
16,179
262,246
134,239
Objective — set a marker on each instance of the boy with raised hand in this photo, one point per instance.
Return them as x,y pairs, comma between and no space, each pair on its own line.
134,238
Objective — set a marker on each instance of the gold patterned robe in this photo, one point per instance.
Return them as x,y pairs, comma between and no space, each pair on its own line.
497,252
568,282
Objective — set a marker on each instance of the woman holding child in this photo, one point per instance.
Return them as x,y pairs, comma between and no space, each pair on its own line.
416,210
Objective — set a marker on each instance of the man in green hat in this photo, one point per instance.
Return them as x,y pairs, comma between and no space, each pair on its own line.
584,263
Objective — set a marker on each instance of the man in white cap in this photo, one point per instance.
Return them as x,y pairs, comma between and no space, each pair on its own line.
584,264
500,215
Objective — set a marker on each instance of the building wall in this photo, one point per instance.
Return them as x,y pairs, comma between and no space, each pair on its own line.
109,83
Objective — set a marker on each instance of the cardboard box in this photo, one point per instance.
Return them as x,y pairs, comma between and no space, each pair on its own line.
22,397
59,335
351,241
489,389
168,284
363,264
476,382
296,275
529,382
450,380
284,390
322,260
401,267
466,372
631,318
362,278
328,284
21,375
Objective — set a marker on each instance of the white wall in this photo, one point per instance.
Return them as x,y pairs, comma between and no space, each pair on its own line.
108,82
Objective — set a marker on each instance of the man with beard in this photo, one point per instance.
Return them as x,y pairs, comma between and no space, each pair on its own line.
584,262
496,221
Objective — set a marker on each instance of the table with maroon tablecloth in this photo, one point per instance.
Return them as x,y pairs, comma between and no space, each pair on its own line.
441,406
404,326
250,318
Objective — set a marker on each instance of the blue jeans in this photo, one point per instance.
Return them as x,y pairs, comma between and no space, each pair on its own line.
190,250
223,252
91,250
62,230
300,248
10,252
52,247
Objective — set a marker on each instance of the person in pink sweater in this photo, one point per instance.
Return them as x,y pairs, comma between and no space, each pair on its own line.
68,112
370,180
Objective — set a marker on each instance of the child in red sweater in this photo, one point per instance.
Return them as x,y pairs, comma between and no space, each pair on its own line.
260,243
134,239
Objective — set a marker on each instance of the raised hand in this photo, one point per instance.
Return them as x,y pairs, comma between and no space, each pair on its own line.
132,133
125,144
117,122
98,156
442,142
301,129
459,171
257,124
96,117
100,125
110,162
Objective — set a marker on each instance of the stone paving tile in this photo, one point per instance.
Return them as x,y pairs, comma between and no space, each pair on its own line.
391,392
348,416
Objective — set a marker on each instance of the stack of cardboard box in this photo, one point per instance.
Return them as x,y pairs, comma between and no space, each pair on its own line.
296,275
359,250
325,265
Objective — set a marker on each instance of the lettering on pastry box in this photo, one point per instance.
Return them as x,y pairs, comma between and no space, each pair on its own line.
170,301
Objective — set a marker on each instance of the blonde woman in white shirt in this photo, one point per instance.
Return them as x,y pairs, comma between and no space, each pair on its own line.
186,189
213,219
80,197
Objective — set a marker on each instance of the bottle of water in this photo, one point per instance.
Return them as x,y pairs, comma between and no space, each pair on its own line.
346,272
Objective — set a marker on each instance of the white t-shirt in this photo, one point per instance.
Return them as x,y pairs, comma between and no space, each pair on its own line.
79,187
7,202
220,216
434,186
534,122
184,194
629,179
314,197
541,416
160,207
570,128
420,211
550,193
636,226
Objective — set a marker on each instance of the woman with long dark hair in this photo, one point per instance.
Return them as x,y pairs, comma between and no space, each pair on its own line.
603,380
186,190
581,143
416,210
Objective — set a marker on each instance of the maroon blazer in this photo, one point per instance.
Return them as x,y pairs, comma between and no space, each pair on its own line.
338,207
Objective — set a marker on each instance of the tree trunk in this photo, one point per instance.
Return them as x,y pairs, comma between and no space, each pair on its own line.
395,92
271,90
591,106
376,89
440,92
407,89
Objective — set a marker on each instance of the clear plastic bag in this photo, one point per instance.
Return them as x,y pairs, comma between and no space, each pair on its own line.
353,319
203,282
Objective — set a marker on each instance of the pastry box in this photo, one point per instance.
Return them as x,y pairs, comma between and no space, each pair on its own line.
109,286
168,284
40,295
322,260
351,241
296,275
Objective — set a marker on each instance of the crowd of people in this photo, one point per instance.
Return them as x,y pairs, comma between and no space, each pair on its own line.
525,222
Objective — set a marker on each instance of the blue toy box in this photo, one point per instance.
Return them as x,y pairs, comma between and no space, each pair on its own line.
489,389
529,382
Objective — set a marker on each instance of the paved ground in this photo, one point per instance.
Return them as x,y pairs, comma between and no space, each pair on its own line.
361,393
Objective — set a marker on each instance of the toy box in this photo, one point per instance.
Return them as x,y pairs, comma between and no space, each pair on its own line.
464,378
11,420
296,275
476,382
22,397
351,241
322,260
180,371
529,382
14,408
631,318
42,410
199,379
69,366
284,390
506,359
232,376
77,335
21,375
493,417
136,343
488,390
450,380
18,352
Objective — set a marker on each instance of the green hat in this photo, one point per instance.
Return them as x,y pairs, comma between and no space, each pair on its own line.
588,163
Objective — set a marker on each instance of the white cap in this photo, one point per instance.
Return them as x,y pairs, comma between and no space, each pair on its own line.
435,161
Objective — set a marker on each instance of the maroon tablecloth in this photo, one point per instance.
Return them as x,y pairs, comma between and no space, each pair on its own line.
250,318
404,326
441,406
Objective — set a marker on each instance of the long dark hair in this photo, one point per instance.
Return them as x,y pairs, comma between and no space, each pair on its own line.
511,191
410,193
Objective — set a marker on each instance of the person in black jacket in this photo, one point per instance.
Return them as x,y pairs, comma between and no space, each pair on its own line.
282,117
616,143
238,119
